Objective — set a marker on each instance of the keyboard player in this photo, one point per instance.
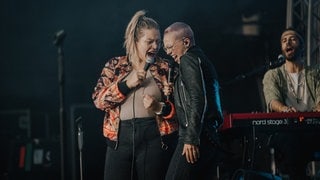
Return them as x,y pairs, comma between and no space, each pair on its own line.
293,87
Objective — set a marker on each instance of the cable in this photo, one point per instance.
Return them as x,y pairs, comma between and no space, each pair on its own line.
133,134
237,174
253,146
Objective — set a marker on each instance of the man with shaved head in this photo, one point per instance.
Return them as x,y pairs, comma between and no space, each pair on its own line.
198,108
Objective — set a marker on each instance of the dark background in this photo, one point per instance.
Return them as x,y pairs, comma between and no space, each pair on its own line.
95,30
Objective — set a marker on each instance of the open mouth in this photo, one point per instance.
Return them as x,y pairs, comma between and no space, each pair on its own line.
175,57
289,50
151,54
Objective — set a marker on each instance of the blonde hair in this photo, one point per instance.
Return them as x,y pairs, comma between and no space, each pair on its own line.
134,31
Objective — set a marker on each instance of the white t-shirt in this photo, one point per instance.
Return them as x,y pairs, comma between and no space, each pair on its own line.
297,91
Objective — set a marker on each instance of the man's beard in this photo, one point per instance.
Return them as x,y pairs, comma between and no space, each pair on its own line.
295,57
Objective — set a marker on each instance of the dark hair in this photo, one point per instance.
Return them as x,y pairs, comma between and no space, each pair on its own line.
299,34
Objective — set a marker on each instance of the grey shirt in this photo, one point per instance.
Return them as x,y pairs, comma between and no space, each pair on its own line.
276,87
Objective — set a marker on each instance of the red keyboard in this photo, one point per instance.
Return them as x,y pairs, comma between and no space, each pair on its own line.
294,119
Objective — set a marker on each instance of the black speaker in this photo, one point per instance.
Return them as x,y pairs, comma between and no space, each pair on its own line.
33,159
15,125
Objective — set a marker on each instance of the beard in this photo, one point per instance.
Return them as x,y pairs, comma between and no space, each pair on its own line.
291,58
294,56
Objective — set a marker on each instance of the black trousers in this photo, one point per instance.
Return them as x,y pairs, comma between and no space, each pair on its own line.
140,154
204,169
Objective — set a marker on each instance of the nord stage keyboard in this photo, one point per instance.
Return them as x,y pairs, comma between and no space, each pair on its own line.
250,135
272,120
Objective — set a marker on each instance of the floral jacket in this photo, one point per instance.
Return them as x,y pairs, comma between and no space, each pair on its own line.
107,96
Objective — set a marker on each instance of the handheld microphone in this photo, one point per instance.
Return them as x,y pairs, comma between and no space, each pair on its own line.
281,59
149,61
170,73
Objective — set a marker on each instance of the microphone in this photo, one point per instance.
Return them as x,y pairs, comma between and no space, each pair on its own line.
149,61
170,72
80,132
170,75
59,37
277,63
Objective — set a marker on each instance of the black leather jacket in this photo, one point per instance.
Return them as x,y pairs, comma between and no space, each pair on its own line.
197,98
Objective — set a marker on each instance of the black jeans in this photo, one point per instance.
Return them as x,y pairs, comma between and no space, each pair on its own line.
140,154
204,169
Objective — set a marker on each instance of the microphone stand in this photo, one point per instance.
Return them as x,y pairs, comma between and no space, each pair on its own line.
246,75
273,162
80,145
58,42
255,71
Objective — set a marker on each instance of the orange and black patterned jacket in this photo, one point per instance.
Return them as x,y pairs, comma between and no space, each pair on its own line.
107,97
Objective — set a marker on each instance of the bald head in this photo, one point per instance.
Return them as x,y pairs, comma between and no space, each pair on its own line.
181,30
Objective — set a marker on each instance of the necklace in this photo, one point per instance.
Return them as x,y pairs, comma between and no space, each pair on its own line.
296,86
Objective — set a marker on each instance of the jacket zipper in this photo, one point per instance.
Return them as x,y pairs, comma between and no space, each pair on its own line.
183,105
116,146
204,92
